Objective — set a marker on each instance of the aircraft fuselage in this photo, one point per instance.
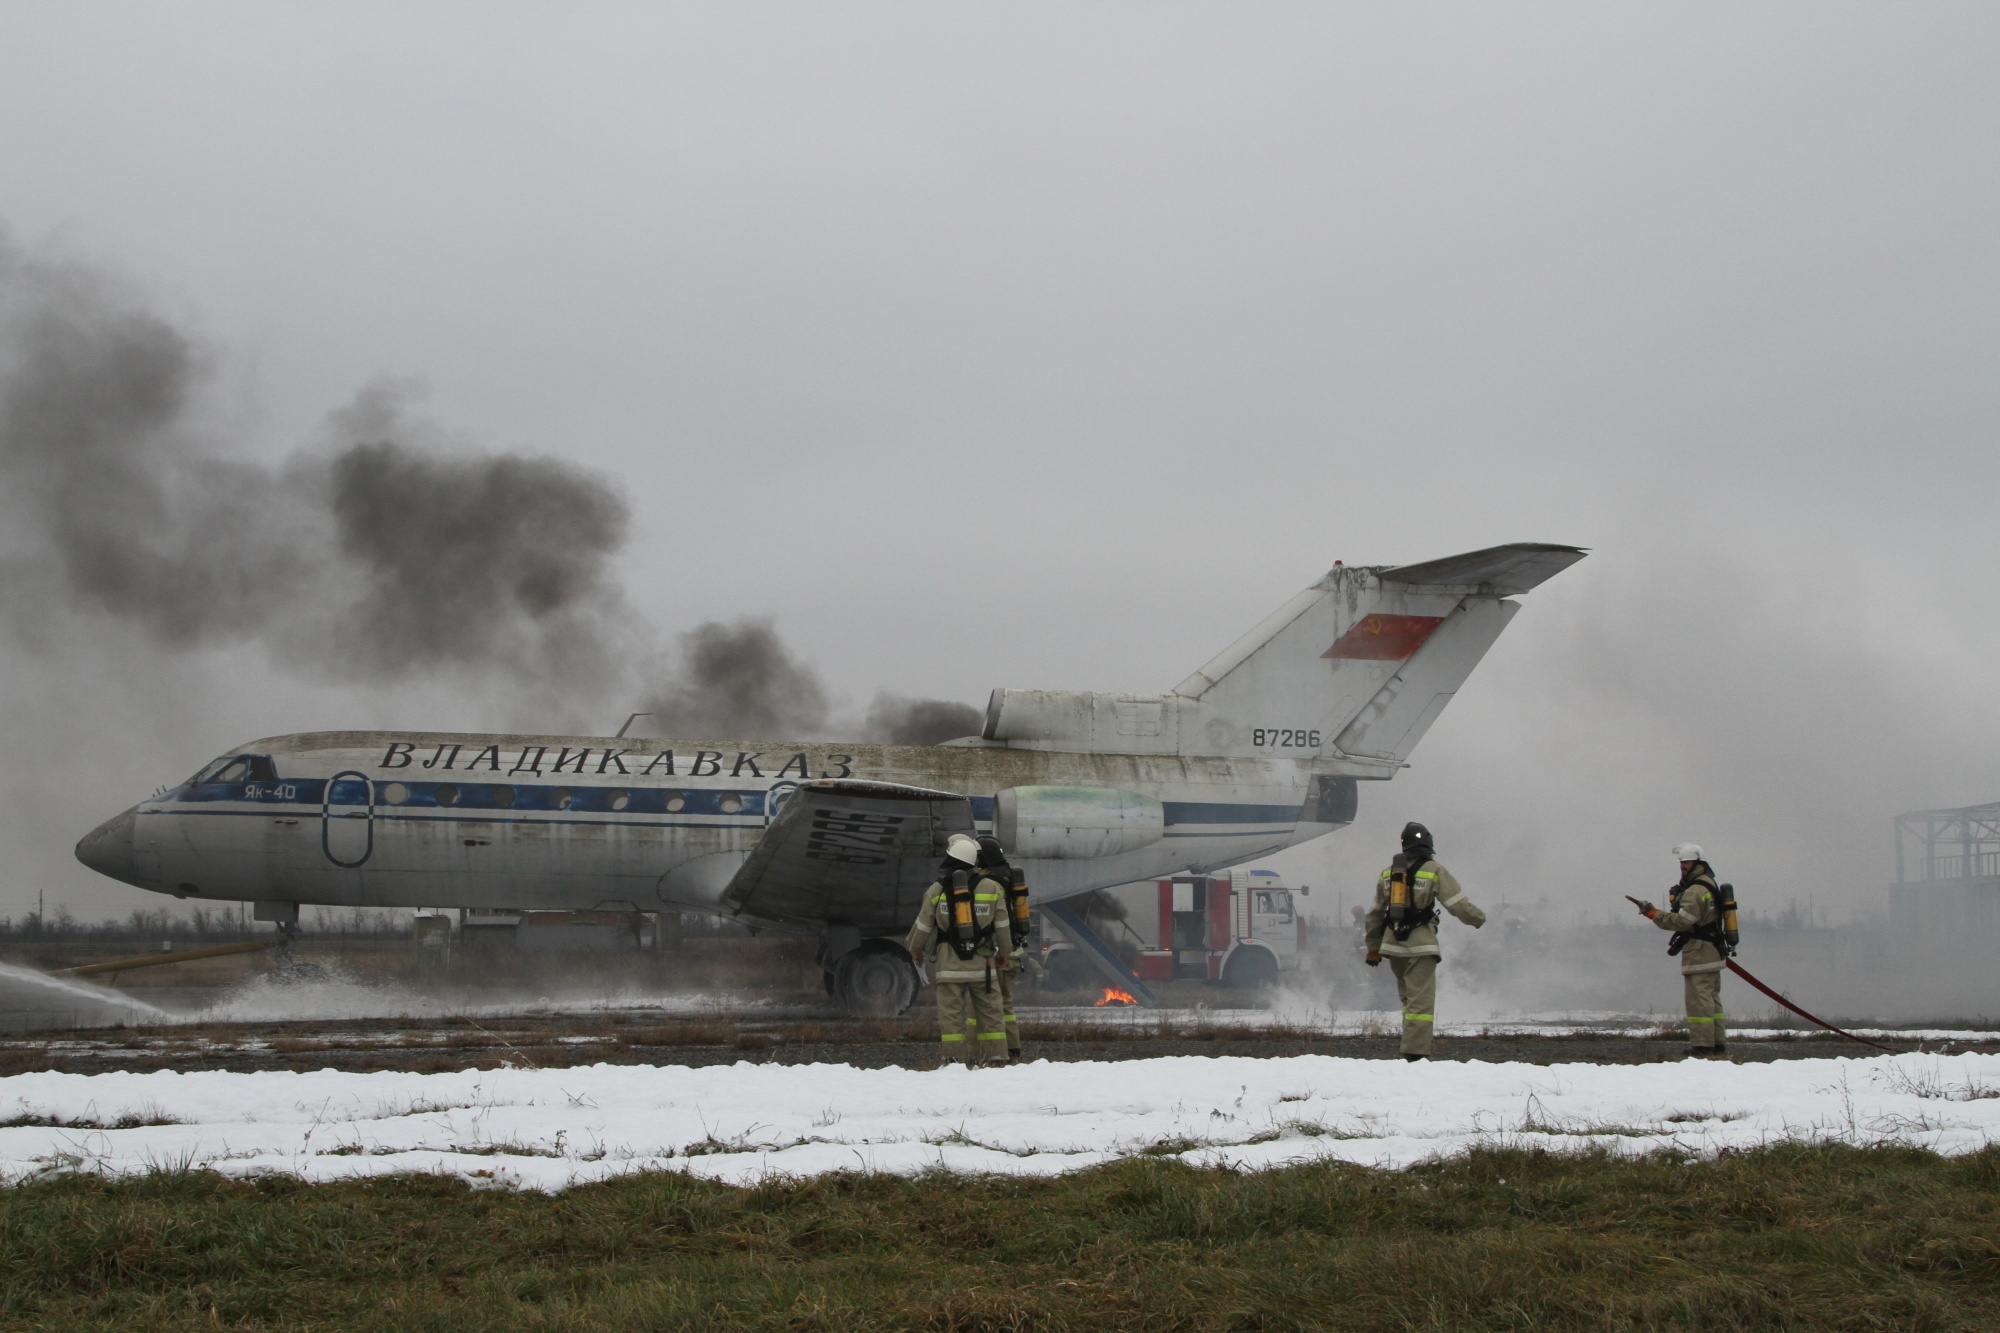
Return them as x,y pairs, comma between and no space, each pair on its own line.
419,819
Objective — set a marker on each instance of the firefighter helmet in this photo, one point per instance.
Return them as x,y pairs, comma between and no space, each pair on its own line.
961,847
990,852
1688,851
1415,835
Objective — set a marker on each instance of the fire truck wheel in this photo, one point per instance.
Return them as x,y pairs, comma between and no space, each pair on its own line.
1251,969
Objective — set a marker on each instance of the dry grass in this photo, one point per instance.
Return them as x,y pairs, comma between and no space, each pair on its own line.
1781,1239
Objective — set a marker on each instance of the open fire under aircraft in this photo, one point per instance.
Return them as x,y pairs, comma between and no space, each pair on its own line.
1259,750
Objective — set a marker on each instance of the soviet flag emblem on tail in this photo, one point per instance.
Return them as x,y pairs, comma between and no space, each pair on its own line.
1384,638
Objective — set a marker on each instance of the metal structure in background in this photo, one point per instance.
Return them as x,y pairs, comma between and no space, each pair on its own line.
1956,844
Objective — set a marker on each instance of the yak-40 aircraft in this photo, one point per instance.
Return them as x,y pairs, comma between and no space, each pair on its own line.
1259,750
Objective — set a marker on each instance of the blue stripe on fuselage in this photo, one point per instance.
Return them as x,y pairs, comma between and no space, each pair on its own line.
580,799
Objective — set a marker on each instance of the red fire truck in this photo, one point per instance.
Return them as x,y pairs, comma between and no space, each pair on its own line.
1240,928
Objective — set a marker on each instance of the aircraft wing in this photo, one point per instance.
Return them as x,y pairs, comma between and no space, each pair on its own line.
846,851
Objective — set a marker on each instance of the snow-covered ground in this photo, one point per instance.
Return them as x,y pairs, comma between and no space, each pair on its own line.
548,1129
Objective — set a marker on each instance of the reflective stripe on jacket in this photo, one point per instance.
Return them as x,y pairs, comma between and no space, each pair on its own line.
1432,884
1697,910
932,930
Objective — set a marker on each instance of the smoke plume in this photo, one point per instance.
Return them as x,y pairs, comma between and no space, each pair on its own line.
895,720
139,522
389,548
739,680
493,559
386,550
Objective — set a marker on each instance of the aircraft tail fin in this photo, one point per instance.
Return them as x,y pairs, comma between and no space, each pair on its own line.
1352,671
1367,658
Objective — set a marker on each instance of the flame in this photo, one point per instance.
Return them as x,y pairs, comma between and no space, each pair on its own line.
1112,995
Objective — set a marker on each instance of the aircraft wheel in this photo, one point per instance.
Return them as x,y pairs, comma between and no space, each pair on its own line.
874,983
1251,969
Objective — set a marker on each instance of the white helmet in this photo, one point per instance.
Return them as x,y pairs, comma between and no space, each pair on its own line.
959,847
1687,851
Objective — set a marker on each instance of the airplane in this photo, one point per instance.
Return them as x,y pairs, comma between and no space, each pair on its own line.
1261,749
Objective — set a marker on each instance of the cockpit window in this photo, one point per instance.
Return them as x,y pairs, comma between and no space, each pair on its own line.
239,768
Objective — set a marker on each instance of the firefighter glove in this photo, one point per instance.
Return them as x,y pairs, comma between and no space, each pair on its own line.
1374,958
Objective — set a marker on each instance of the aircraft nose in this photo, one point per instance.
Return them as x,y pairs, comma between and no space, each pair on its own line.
107,849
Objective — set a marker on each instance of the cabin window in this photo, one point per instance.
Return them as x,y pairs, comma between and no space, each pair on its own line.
617,800
395,793
731,803
447,794
559,798
676,803
503,797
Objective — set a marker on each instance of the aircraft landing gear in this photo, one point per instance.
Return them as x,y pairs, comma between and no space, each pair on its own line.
281,952
877,980
289,968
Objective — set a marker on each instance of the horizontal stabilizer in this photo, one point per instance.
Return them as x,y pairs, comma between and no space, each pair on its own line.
1498,569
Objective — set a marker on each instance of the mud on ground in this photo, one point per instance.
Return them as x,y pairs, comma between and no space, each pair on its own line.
432,1045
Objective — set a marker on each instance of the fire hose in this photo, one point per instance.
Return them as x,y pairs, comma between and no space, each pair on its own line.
1646,909
1733,966
156,959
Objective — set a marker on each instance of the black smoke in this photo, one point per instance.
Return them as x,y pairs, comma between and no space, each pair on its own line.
489,558
739,680
104,465
895,720
385,549
388,551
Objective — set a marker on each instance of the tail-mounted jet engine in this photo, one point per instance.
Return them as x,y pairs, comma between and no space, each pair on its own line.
1075,823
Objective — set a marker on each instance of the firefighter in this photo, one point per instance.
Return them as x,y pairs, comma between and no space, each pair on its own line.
993,865
1694,914
1402,927
964,945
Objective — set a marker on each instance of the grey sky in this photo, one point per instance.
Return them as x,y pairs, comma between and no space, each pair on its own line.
1125,321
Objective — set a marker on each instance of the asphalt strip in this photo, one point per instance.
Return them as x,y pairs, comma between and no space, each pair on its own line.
549,1129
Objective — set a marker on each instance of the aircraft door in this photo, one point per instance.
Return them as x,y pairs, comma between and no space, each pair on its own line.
775,798
347,819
